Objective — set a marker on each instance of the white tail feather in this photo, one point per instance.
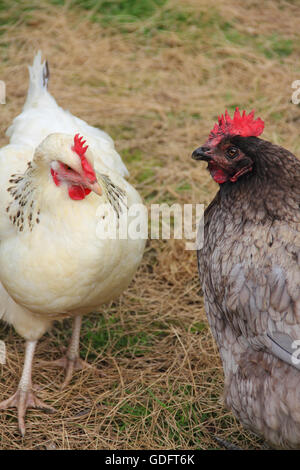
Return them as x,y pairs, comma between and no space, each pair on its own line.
39,76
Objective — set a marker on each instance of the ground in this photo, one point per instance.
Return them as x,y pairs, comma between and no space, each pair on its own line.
154,74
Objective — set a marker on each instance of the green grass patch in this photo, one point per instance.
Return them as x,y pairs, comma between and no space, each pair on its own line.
109,334
276,46
198,327
232,35
184,186
14,12
145,175
172,19
132,155
136,411
119,10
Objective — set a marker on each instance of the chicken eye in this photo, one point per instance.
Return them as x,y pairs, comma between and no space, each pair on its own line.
232,152
68,167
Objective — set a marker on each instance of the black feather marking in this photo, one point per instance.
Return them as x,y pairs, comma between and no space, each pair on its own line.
46,74
115,194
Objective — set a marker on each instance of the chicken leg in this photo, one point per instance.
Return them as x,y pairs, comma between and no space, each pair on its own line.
71,360
24,397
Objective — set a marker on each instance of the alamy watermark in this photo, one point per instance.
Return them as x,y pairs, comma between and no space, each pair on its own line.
2,352
296,94
159,221
2,92
296,353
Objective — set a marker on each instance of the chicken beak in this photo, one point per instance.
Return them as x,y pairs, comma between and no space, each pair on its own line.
95,187
201,153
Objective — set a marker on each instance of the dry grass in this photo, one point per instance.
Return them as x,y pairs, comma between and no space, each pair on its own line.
156,85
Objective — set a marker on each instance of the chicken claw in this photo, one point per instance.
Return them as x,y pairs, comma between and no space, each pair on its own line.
22,400
71,360
70,365
24,397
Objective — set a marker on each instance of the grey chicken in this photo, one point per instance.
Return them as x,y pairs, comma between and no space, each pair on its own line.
249,268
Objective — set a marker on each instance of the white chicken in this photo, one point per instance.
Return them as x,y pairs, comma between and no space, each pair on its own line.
53,263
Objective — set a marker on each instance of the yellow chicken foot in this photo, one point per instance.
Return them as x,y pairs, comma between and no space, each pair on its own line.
71,360
24,397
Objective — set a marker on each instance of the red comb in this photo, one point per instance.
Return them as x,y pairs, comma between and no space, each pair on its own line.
244,125
79,148
78,145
